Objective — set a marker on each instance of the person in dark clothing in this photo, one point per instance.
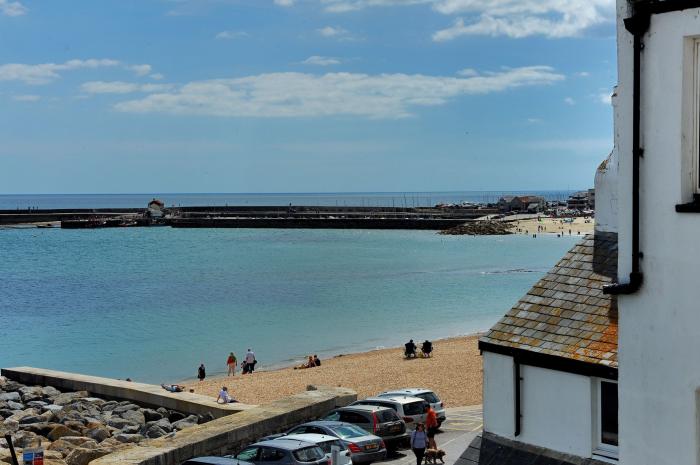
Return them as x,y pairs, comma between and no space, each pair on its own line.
317,361
201,372
427,348
410,349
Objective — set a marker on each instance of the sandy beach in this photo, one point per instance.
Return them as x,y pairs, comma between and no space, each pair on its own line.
454,373
580,226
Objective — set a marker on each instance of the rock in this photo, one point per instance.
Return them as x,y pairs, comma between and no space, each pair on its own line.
67,444
68,397
74,424
31,393
36,404
22,439
163,424
118,423
15,405
42,429
131,429
207,417
52,408
154,431
129,438
480,228
10,425
174,416
30,419
163,411
13,396
186,422
60,431
98,434
82,456
151,415
94,401
50,391
109,405
134,416
124,408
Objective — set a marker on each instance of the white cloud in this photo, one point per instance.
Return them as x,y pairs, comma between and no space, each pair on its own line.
284,2
321,61
47,72
468,72
140,70
120,87
605,98
343,6
228,35
9,8
534,120
569,101
26,98
156,76
330,31
279,95
583,74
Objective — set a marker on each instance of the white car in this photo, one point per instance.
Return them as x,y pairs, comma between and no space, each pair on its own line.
325,442
425,394
410,409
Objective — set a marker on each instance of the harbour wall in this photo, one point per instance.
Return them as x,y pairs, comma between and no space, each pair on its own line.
318,223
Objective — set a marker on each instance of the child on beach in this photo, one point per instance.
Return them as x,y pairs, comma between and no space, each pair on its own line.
231,362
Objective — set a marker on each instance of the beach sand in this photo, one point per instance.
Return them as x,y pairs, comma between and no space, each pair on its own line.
454,373
555,226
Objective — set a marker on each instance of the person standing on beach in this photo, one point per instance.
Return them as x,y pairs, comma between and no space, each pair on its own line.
249,362
231,362
419,441
431,425
201,372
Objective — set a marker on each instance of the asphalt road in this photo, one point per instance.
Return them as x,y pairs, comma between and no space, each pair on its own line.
461,426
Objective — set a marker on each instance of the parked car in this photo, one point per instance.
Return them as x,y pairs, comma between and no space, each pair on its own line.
364,448
380,421
425,394
325,442
410,409
279,451
215,461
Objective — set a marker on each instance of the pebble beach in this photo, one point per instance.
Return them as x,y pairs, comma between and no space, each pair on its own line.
454,372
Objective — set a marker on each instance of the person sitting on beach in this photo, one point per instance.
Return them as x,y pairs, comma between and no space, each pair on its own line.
317,361
427,348
173,387
224,397
309,364
410,349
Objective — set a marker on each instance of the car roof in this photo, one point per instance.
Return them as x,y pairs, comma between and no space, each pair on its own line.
365,408
407,391
217,461
308,437
284,444
399,399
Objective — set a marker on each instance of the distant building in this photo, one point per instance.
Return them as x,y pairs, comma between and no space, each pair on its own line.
156,209
582,200
522,203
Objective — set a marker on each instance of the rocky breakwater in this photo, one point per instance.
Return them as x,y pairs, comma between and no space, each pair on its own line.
480,228
75,428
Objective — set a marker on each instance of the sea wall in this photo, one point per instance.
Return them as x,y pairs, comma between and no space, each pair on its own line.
318,223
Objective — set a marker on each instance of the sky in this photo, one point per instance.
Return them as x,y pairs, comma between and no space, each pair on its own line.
132,96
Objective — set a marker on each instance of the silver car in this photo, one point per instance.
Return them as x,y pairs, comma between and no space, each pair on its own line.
325,442
425,394
278,451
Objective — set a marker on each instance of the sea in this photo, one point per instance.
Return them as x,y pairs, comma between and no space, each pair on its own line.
152,304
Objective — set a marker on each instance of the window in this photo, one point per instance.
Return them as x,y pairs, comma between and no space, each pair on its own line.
309,454
268,454
250,454
352,417
605,410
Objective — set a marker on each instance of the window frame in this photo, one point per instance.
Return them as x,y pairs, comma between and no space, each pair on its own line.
602,450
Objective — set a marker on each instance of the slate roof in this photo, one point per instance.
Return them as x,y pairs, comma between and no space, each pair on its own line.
565,313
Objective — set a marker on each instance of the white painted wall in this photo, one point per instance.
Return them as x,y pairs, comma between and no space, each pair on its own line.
606,194
556,406
659,338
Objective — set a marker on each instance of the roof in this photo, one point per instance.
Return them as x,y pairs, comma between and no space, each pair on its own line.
313,438
366,408
284,444
397,399
406,391
566,314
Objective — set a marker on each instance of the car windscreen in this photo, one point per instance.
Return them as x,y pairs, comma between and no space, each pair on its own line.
327,446
387,415
429,397
414,408
309,454
349,431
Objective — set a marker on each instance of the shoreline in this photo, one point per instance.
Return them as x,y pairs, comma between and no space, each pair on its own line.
454,373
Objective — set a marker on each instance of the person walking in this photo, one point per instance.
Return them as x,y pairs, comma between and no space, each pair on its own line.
431,425
231,362
249,362
419,441
201,372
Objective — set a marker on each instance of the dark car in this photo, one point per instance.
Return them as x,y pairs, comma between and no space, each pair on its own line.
380,421
278,451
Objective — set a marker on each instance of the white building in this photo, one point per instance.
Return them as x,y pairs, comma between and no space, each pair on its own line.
542,398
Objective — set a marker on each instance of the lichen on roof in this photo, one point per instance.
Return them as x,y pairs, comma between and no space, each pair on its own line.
565,313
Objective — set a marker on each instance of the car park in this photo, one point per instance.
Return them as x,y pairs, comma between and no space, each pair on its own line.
425,394
380,421
364,447
278,451
325,442
410,409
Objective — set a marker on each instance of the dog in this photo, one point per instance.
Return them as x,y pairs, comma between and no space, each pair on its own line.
433,455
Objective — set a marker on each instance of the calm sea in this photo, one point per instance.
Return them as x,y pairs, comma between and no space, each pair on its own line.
379,199
152,303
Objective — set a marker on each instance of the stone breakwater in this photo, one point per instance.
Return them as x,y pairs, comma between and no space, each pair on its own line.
75,428
480,228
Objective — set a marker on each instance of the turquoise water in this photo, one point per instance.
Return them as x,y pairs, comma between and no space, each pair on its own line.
152,303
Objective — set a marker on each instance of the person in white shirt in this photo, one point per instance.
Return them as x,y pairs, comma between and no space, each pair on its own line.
224,397
249,362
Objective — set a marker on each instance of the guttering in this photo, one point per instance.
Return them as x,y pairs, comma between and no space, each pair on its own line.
517,379
637,25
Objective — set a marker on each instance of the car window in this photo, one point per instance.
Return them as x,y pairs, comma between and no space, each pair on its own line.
269,454
414,408
327,446
309,454
299,430
315,430
349,431
429,397
387,415
333,416
248,454
352,417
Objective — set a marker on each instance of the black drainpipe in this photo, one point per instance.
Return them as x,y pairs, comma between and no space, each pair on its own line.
637,25
517,380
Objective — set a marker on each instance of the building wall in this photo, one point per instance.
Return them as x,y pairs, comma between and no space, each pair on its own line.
555,406
659,337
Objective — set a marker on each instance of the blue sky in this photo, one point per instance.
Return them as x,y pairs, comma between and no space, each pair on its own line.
304,95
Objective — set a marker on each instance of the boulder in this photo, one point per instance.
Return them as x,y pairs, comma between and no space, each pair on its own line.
163,424
82,456
174,416
134,416
98,434
50,391
129,438
36,404
10,425
13,396
31,393
22,439
120,409
206,418
42,429
109,405
31,419
68,397
15,405
52,408
163,411
60,431
130,429
151,415
154,431
118,423
186,422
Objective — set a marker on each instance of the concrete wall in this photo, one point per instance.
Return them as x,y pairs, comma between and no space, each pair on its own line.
143,394
658,340
556,407
230,434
